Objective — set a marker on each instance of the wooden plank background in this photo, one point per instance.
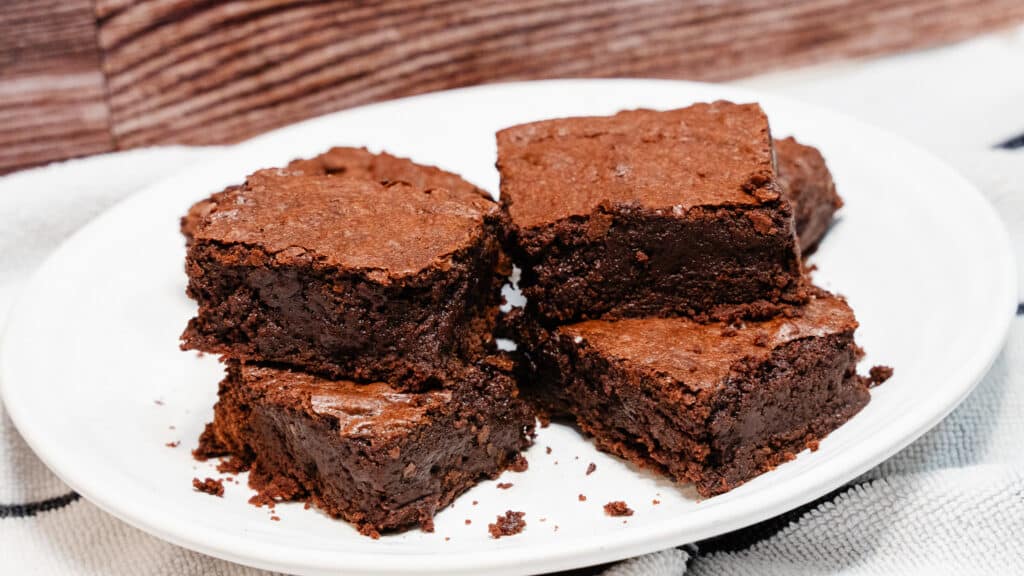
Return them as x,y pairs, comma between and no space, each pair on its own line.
79,77
52,98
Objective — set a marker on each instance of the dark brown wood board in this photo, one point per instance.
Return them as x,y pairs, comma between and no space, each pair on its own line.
86,76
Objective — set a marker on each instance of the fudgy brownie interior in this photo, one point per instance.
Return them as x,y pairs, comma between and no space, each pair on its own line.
378,457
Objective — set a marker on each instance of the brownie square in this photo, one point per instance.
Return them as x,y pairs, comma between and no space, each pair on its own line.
373,455
713,404
807,183
349,265
648,213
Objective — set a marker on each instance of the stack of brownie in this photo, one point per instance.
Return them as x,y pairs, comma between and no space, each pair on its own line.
667,309
353,298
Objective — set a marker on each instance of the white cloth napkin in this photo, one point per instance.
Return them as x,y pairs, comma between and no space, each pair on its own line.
951,502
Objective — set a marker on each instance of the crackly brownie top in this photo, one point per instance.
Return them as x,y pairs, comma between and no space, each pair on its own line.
701,355
381,224
373,411
703,155
385,168
352,162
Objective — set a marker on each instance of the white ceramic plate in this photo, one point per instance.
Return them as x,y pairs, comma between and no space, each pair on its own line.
94,380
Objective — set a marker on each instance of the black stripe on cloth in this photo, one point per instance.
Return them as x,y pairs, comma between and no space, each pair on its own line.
33,508
746,537
1012,143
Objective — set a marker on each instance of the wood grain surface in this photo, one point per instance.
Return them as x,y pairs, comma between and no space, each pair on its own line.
52,99
91,75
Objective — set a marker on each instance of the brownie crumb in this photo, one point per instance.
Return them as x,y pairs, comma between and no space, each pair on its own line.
878,375
446,538
590,468
369,531
510,524
519,464
158,402
655,502
275,518
813,445
209,446
232,466
617,508
262,499
174,444
475,502
504,485
548,449
468,521
426,524
209,486
171,427
582,498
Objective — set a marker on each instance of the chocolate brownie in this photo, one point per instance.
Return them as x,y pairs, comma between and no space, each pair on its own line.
807,183
648,213
714,404
349,265
508,524
377,457
200,211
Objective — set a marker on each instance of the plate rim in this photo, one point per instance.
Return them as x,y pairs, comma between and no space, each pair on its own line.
660,536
